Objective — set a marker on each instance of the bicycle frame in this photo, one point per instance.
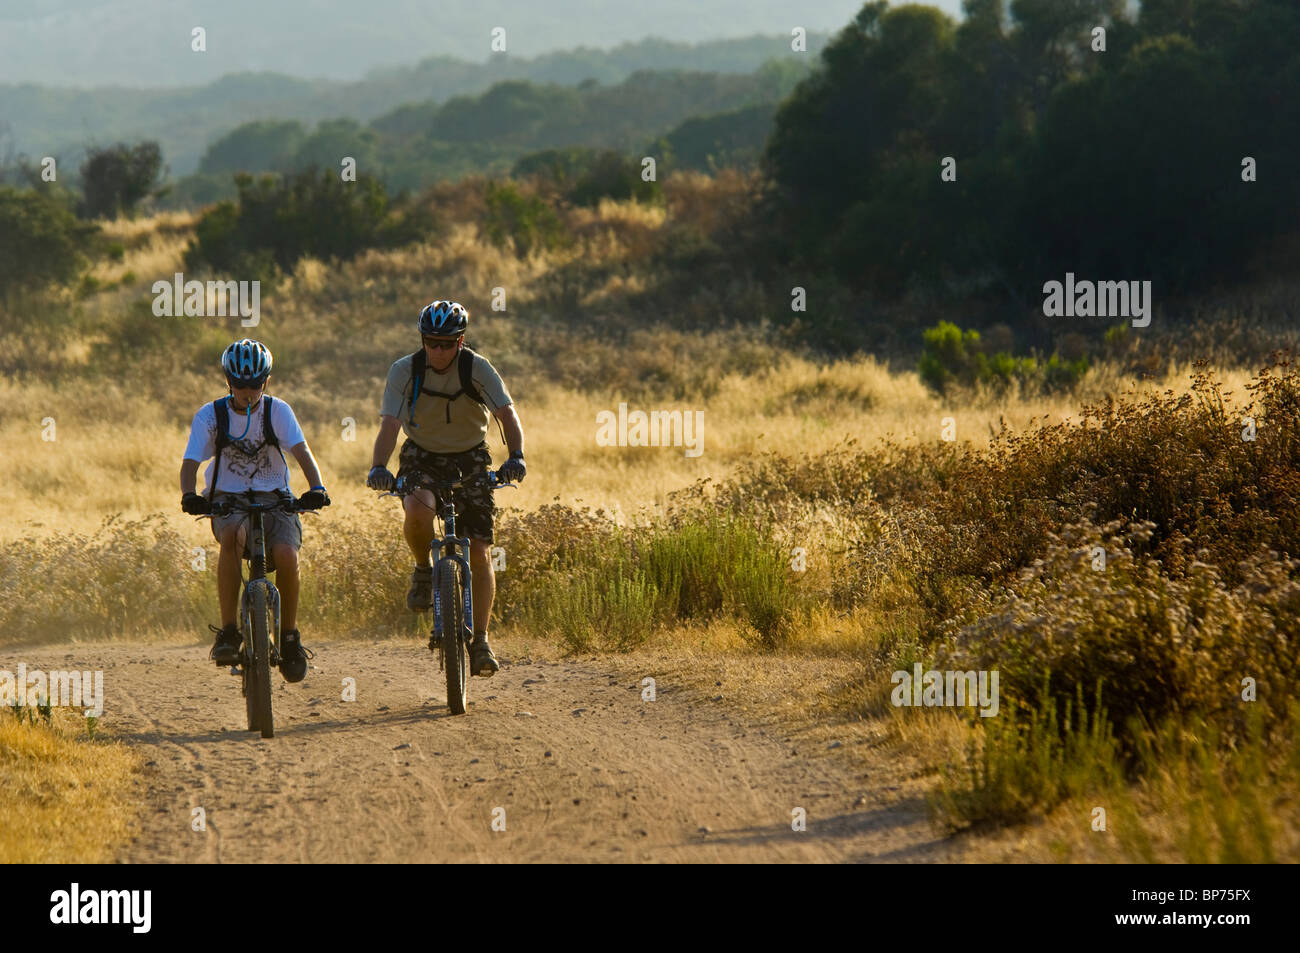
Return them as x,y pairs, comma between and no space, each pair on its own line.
455,548
450,546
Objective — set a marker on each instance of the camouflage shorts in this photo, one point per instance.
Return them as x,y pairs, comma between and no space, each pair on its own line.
474,505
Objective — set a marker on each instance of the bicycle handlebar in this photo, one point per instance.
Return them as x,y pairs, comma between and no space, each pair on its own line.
229,504
405,485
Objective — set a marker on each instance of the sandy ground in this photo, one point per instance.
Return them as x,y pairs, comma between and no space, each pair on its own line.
566,754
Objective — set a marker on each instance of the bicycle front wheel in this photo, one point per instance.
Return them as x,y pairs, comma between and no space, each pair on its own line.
454,660
260,675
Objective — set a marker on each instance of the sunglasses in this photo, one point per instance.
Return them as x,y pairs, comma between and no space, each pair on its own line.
236,384
439,344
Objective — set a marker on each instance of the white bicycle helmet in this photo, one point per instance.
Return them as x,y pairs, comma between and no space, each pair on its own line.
246,363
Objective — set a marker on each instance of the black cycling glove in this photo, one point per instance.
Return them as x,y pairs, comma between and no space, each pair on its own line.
513,470
313,500
380,479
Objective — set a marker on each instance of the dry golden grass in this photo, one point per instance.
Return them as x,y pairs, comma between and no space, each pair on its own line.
132,231
66,799
153,247
116,454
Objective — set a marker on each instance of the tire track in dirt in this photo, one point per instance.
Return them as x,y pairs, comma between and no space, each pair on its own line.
583,769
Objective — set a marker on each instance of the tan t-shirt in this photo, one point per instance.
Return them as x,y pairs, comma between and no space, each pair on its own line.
441,425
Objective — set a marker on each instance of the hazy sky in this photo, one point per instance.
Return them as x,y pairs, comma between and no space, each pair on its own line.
147,42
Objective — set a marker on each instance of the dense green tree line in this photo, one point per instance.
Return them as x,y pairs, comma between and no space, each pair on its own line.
1125,163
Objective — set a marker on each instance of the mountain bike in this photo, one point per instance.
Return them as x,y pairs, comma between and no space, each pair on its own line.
259,612
453,593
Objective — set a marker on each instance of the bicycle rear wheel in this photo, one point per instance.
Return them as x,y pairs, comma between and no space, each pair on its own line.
454,660
259,678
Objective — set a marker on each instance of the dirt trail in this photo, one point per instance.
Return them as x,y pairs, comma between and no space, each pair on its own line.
585,770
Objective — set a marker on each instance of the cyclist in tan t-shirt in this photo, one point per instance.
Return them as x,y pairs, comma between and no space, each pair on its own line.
445,418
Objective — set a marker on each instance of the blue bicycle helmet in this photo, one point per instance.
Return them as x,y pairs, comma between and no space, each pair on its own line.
444,319
246,363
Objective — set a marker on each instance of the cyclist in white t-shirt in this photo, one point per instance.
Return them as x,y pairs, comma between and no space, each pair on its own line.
243,433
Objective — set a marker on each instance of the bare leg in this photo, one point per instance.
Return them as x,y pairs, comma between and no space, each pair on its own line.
419,525
286,580
228,573
484,583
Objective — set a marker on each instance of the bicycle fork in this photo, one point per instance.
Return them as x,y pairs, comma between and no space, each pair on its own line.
246,619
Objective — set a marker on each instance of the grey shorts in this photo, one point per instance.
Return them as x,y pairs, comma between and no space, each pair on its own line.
278,526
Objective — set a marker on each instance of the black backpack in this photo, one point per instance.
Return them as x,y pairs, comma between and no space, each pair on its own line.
223,434
464,367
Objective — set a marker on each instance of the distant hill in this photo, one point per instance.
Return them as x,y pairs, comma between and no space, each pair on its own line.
93,43
39,120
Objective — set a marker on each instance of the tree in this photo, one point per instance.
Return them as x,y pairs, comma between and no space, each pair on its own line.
1169,205
117,179
1052,41
263,146
867,118
331,141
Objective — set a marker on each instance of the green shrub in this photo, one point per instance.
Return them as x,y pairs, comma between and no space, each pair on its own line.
614,176
712,564
1026,760
613,588
584,175
1232,803
277,221
607,604
525,219
951,356
41,243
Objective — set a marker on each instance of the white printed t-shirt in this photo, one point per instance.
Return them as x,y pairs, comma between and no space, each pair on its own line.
247,462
